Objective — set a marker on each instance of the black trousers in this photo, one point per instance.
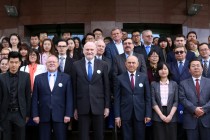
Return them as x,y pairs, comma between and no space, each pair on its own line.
97,123
14,123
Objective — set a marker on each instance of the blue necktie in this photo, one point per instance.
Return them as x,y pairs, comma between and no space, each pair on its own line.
180,67
147,49
89,71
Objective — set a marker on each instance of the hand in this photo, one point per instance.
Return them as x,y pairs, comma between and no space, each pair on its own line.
168,119
36,120
118,122
162,117
199,112
106,112
27,118
66,119
75,114
147,119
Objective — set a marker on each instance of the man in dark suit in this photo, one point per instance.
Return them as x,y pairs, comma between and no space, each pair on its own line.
179,41
65,62
91,93
204,51
15,99
52,101
132,102
115,47
34,41
194,94
119,61
147,46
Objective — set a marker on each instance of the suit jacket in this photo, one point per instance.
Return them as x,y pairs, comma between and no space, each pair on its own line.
119,64
188,98
175,71
172,99
111,51
141,50
208,72
24,94
127,100
68,66
56,103
91,95
171,56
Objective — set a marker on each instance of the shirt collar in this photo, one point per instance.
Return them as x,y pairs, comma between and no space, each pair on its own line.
55,73
199,78
64,56
183,61
92,61
205,60
132,73
117,43
166,83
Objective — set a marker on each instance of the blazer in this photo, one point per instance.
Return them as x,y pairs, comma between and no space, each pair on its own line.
94,94
126,100
24,94
68,66
208,72
176,76
172,99
40,69
111,51
54,104
119,64
188,98
141,50
171,56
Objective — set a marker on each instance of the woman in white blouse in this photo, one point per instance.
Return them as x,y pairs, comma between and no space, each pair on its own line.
164,102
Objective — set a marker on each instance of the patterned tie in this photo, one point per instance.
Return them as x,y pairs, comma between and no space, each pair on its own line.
180,67
147,49
52,81
90,72
62,63
205,68
197,87
132,81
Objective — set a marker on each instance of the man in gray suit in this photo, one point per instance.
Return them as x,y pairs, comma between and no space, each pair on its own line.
194,94
132,102
91,93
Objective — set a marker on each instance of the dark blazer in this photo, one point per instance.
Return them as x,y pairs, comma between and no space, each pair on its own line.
111,51
127,100
188,98
68,66
94,94
141,50
109,63
175,71
119,64
24,94
56,103
172,99
208,72
171,56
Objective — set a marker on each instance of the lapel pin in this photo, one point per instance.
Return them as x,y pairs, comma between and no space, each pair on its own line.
140,85
98,71
60,84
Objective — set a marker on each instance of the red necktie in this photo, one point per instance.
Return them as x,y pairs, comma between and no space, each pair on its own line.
132,81
197,87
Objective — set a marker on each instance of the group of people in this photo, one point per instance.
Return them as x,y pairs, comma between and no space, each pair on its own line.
154,89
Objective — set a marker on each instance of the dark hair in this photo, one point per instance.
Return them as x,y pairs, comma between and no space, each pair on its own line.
127,39
52,50
4,58
6,39
203,44
135,30
61,40
108,38
192,32
19,43
24,46
179,35
37,54
14,54
160,67
83,40
97,29
153,51
67,32
34,35
195,59
77,38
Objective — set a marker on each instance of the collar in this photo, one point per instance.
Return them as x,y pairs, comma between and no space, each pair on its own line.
166,83
183,61
132,73
53,73
148,45
64,56
117,43
13,74
205,60
199,78
92,61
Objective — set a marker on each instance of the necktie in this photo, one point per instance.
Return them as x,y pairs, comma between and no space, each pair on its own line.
89,71
197,87
62,63
180,67
132,81
205,68
147,49
52,81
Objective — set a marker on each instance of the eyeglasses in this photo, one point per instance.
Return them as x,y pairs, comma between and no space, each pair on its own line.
62,46
179,52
